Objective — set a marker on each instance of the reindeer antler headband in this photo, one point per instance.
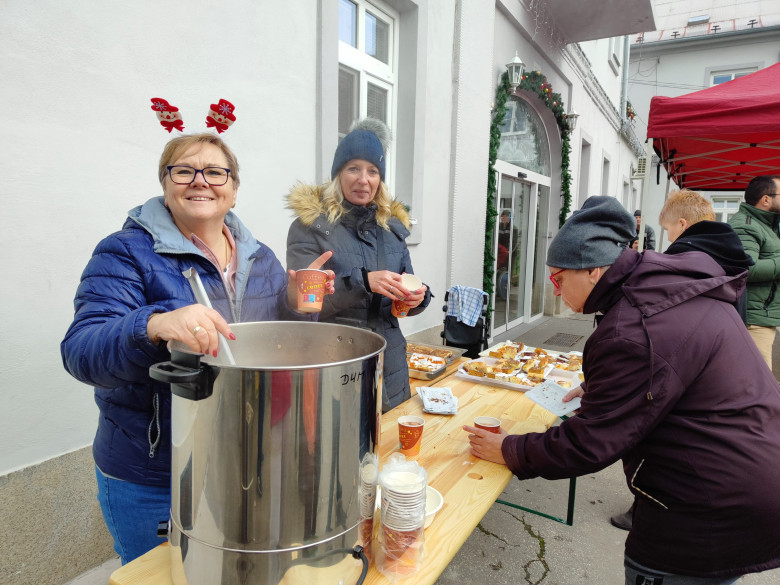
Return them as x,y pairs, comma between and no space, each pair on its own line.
220,115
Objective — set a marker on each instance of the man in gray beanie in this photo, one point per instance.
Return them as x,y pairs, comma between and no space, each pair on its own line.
659,393
594,235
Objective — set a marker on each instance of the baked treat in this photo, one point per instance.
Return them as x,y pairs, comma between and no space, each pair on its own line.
441,352
476,368
425,363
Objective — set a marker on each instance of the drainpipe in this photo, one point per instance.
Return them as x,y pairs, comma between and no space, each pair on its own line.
624,82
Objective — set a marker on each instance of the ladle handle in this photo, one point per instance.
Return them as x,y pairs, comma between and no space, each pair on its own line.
198,289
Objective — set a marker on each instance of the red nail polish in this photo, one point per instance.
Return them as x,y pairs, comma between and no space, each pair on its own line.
233,337
215,353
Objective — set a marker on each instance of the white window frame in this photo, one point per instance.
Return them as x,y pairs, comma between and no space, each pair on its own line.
613,53
734,73
371,70
726,213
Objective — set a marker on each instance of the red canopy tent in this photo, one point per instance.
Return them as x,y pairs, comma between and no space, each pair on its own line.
719,138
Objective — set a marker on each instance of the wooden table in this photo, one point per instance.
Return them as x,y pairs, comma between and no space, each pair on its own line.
469,485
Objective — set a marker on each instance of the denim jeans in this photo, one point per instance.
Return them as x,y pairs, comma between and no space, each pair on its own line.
132,512
637,574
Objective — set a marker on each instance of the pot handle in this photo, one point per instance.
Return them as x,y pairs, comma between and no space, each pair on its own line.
190,383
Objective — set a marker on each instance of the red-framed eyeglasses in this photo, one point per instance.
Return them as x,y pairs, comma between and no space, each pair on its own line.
555,282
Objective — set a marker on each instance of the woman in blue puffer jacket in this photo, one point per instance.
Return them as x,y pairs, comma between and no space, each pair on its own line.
133,299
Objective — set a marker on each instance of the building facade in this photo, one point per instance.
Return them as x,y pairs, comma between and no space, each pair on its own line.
697,45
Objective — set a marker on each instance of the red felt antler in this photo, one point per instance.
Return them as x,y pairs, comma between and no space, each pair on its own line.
168,115
220,116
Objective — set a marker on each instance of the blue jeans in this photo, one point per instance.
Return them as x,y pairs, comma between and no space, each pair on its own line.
637,574
132,512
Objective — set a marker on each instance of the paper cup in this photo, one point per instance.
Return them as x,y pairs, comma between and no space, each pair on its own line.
410,430
411,282
433,503
399,309
311,289
488,423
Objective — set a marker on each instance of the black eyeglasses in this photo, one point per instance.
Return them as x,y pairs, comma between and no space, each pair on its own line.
184,175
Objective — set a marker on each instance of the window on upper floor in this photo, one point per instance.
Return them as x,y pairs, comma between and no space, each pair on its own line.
615,53
724,75
725,207
368,64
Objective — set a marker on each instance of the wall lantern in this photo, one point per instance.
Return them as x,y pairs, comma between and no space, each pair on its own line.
515,67
572,118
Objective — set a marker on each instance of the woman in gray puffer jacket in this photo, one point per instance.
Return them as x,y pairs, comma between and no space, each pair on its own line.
354,216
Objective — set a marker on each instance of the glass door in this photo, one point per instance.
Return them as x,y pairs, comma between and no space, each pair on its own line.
520,248
538,268
512,237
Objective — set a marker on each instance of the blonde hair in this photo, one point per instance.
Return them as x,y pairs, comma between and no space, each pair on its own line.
179,145
688,205
333,197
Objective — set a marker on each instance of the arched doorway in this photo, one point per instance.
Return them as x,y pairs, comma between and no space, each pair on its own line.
523,202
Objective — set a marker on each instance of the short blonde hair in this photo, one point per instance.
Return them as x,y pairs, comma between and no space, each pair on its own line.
332,198
179,145
688,205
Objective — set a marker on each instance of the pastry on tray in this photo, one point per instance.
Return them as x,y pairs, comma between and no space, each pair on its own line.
441,352
426,363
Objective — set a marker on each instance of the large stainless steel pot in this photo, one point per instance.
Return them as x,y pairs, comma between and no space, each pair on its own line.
266,454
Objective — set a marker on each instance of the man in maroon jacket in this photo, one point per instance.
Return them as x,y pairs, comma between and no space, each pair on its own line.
678,391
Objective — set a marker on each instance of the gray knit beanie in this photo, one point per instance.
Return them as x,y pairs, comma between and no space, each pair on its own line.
367,140
593,236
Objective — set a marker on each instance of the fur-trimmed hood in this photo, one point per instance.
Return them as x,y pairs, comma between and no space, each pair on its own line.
306,203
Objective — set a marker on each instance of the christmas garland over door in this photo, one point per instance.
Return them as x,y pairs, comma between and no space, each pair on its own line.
537,83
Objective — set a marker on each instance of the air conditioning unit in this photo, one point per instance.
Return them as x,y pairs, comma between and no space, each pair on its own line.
642,170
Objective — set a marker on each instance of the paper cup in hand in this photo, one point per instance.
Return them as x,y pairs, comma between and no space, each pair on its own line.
311,289
399,309
410,430
488,423
411,282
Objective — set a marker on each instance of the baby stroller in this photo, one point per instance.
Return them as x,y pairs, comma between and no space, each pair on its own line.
465,322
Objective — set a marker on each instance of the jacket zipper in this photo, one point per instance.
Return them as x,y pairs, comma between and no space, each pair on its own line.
770,297
236,308
155,422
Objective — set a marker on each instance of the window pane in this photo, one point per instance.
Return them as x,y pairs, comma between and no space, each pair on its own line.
716,79
524,143
348,99
377,38
376,106
348,22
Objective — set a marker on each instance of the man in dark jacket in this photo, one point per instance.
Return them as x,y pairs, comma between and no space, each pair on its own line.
675,389
649,243
756,224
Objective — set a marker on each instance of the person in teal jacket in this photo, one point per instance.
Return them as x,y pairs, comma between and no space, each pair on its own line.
756,224
133,299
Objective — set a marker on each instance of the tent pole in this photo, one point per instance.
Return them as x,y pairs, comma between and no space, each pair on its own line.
666,196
